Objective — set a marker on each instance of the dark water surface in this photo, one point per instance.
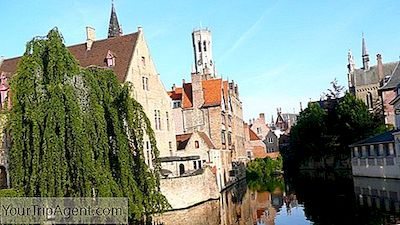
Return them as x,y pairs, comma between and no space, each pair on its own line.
307,198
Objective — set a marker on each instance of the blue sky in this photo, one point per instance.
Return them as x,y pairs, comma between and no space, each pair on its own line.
279,52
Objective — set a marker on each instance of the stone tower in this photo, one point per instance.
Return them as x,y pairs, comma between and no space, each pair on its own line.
203,59
114,30
350,73
365,56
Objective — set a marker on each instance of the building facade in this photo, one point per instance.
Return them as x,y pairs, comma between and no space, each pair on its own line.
129,57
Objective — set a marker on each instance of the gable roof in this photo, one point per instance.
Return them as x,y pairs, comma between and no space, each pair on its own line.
122,48
365,77
207,140
253,136
212,93
182,140
175,94
394,80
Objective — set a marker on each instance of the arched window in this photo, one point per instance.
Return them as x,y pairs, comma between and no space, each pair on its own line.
3,177
181,169
205,46
196,144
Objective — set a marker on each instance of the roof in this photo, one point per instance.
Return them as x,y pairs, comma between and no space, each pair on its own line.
207,140
365,77
212,92
394,80
182,140
175,94
253,136
122,48
386,137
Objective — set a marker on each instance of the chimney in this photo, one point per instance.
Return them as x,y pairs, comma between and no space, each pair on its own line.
173,87
197,91
183,81
90,37
140,28
1,60
249,121
262,117
379,66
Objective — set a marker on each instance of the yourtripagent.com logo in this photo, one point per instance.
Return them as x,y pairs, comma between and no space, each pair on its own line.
64,210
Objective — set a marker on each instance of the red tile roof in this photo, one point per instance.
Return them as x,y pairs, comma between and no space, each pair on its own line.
122,48
175,94
212,91
182,140
187,96
253,136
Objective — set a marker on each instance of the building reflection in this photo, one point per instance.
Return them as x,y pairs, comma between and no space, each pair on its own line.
377,193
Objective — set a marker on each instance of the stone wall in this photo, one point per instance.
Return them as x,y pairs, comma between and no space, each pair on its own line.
183,192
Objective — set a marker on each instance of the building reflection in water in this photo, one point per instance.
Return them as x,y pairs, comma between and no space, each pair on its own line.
377,193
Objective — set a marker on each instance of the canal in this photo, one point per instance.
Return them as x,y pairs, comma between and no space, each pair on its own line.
309,197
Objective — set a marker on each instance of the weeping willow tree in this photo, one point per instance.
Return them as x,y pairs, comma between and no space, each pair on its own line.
77,132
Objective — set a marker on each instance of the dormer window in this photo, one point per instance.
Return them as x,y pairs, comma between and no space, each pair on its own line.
110,59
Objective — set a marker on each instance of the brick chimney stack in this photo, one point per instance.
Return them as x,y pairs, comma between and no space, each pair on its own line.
90,37
379,66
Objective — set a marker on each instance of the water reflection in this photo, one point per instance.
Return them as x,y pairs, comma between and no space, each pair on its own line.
306,198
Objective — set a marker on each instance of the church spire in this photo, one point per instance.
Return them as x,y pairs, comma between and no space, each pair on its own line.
365,55
114,30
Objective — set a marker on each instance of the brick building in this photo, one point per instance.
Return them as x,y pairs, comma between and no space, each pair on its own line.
365,82
129,57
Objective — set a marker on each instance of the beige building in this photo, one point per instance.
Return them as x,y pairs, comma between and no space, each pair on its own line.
129,57
259,126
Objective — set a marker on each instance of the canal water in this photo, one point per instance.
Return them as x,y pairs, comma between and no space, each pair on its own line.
307,198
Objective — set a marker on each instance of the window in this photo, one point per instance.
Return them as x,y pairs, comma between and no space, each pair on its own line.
110,59
176,104
258,130
229,138
195,165
270,140
199,43
223,137
196,144
386,149
167,119
223,119
145,82
170,147
199,164
157,119
205,46
148,150
369,100
143,61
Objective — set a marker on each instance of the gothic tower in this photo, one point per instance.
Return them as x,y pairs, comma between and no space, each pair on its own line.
203,59
365,56
114,30
350,73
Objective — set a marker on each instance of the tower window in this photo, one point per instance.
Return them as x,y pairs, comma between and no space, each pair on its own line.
196,144
145,83
369,100
199,46
205,46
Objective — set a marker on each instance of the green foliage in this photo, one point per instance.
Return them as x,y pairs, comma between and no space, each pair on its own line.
262,175
10,193
77,132
323,133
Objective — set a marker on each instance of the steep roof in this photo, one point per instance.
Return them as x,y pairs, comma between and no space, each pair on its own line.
394,80
175,94
365,77
122,48
253,136
182,140
207,140
386,137
212,92
114,30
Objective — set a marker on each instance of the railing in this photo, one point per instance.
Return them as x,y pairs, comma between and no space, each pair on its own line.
381,161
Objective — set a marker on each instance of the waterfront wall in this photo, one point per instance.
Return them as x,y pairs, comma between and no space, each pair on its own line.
384,167
183,192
